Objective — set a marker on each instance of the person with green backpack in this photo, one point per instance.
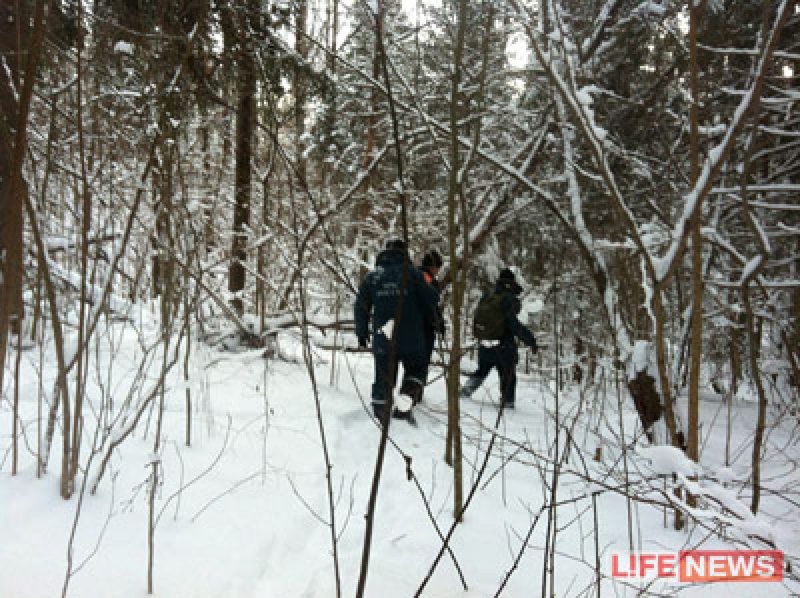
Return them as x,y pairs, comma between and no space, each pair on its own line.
497,328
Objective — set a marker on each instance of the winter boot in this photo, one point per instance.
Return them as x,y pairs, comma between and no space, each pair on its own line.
412,388
402,405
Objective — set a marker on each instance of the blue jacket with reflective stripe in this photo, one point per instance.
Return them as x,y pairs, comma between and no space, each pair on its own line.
379,296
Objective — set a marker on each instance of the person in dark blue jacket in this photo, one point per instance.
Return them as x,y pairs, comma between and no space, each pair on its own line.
397,305
503,354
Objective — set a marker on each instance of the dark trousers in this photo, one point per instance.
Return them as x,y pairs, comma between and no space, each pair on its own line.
414,370
505,360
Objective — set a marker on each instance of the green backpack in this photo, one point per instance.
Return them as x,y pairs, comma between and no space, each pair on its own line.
489,319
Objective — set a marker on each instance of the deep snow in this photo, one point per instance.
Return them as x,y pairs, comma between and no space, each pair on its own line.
251,519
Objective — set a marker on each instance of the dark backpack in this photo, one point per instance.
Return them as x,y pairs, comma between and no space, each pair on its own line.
489,319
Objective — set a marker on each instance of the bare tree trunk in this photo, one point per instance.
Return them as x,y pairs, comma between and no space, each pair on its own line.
754,343
753,271
245,146
72,448
454,191
676,435
15,100
696,344
264,250
660,339
734,348
549,554
382,61
15,408
363,208
61,387
300,88
793,342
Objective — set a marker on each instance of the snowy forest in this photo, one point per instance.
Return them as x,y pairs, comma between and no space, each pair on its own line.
191,192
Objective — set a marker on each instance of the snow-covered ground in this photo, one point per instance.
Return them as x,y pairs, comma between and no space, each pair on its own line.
243,511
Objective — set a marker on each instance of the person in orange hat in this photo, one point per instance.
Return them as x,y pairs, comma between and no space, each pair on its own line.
431,265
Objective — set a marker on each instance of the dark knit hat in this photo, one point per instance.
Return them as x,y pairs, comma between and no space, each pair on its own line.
508,281
396,244
506,275
432,259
